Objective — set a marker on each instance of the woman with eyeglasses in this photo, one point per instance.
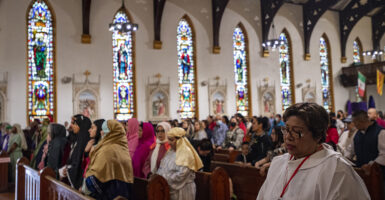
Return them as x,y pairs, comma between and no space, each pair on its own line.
158,149
310,169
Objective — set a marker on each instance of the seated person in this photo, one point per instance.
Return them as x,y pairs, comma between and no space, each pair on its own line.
244,158
179,165
110,172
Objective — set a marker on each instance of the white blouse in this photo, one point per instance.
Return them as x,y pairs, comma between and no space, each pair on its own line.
324,176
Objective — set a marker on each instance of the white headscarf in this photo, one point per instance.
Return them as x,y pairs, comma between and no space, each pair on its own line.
24,145
154,157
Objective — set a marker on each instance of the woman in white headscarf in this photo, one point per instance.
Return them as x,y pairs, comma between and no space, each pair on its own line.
15,145
179,165
158,149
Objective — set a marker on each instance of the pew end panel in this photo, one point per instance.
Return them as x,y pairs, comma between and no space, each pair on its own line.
158,189
20,178
4,163
373,181
219,184
202,183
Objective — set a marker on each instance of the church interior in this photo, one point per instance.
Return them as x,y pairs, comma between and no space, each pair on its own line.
183,61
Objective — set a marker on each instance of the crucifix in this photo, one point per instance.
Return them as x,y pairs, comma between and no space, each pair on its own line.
87,73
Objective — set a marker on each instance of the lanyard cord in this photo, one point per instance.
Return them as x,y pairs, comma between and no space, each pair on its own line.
292,176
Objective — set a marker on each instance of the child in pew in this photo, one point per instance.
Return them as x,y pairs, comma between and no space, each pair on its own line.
244,158
205,151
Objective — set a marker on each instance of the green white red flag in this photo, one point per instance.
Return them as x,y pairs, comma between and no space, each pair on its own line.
361,84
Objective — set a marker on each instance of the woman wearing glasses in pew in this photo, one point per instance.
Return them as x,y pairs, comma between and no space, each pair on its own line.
179,165
310,169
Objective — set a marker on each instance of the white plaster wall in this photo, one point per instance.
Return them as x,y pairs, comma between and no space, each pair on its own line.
72,57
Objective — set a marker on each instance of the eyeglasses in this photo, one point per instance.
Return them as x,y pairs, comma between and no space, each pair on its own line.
297,134
160,131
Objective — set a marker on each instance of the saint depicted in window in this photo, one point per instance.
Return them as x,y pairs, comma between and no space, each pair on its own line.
241,71
186,70
285,71
357,51
325,76
41,63
123,70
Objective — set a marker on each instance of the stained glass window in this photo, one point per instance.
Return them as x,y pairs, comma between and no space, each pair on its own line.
186,70
325,77
357,51
41,63
123,70
285,71
241,71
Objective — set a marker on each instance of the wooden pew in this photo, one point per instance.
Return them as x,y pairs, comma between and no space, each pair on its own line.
212,186
373,181
246,180
4,163
31,184
154,189
224,155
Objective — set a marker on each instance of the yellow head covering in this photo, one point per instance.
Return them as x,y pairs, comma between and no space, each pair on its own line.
110,159
185,152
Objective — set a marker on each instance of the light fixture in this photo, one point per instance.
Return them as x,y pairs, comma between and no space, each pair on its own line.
375,54
123,27
274,43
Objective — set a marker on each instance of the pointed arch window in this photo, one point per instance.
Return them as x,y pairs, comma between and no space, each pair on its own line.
286,71
357,51
187,69
41,97
326,75
241,70
123,69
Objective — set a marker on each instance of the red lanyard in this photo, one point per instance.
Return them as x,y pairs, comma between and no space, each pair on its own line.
292,176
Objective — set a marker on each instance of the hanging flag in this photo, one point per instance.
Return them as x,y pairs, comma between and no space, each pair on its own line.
361,84
380,82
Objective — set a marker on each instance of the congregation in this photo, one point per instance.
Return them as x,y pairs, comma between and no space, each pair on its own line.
101,158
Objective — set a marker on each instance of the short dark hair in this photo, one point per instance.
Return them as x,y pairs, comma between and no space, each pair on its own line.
278,115
360,115
205,145
313,115
245,143
264,121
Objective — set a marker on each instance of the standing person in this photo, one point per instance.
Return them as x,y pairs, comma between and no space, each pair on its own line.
188,127
332,134
339,122
179,165
6,138
260,142
158,151
234,136
143,149
226,120
40,139
347,137
373,116
242,124
80,125
278,121
95,137
219,133
57,135
200,132
14,150
310,169
132,127
110,172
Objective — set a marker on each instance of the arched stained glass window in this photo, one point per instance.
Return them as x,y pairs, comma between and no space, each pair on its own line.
187,69
241,69
326,75
357,51
41,62
123,70
285,60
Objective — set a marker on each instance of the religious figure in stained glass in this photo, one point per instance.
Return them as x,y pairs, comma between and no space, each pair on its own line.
123,70
356,52
241,70
325,67
284,59
41,71
186,70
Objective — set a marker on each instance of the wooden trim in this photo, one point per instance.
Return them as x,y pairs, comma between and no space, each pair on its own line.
54,58
249,103
189,21
331,85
